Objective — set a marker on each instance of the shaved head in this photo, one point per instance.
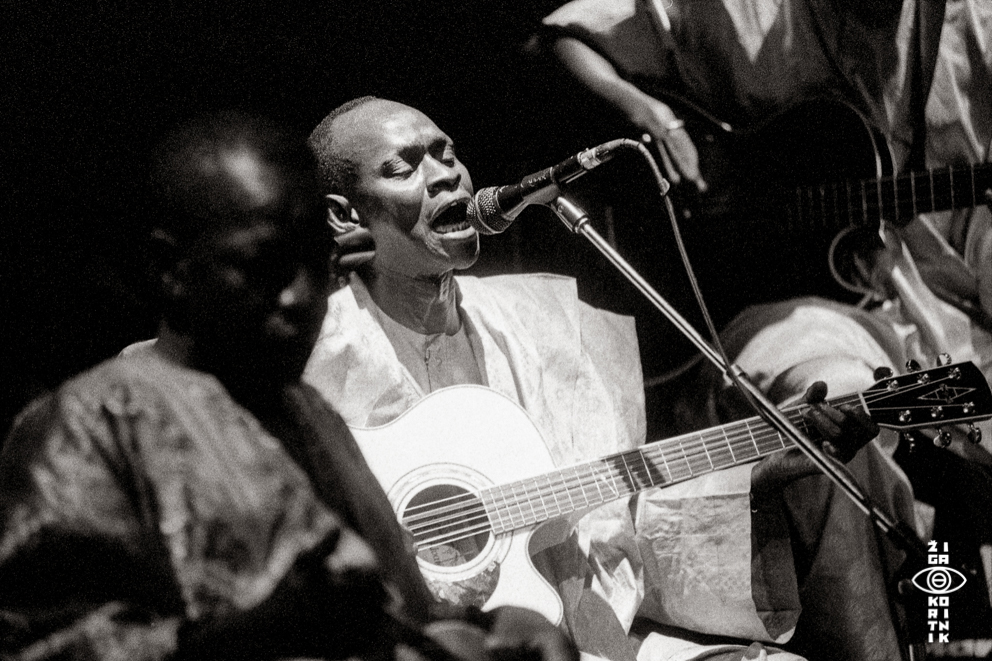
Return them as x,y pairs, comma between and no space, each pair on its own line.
399,173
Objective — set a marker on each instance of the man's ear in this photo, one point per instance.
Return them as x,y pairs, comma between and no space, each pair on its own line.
341,216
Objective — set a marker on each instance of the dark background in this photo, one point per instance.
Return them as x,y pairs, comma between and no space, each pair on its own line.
91,85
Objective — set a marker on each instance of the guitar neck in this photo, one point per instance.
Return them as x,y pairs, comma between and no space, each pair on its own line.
535,500
897,199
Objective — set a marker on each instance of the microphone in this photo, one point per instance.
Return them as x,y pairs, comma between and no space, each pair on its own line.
493,209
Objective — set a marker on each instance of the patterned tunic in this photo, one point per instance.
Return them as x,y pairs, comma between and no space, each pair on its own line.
140,495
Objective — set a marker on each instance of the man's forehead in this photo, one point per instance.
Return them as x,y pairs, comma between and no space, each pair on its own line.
380,126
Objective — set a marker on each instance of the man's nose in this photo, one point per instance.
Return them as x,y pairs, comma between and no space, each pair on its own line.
441,176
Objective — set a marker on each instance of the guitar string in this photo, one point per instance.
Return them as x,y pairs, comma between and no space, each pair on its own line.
531,489
596,478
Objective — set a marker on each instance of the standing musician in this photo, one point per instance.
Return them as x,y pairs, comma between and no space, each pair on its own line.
707,563
193,499
920,72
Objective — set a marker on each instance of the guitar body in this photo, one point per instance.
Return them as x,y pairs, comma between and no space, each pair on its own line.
456,442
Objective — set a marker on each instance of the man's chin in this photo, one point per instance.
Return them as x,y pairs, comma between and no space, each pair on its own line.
463,254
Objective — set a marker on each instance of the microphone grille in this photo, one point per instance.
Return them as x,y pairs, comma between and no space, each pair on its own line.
484,213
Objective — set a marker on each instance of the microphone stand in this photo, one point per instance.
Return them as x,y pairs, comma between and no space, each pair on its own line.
901,534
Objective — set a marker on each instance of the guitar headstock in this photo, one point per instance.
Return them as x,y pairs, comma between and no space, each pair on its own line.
945,395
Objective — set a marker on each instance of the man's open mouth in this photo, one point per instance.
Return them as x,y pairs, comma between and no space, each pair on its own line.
452,219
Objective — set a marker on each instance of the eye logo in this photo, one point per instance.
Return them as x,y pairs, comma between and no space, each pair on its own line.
939,580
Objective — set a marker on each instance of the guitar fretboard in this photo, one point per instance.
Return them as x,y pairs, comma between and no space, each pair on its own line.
897,199
534,500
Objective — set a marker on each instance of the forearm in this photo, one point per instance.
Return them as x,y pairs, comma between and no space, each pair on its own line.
601,78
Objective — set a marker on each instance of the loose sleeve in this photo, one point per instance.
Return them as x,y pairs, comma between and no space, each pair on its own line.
79,577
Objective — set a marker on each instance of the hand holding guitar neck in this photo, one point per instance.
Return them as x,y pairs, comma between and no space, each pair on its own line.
842,432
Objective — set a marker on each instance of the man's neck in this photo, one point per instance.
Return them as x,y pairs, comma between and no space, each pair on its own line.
252,393
424,305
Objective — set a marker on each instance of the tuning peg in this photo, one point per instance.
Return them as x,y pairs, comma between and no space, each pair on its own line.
909,440
942,439
943,359
882,372
974,434
912,366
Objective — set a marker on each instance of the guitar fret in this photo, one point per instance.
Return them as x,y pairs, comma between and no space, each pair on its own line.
605,476
520,497
554,494
750,434
668,468
540,495
626,467
707,452
508,505
686,457
647,469
568,492
730,446
613,476
595,481
492,509
582,486
719,452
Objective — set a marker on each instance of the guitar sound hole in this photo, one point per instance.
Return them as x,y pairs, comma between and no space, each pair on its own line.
449,524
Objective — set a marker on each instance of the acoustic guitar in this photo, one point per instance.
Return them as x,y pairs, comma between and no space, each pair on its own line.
470,477
780,192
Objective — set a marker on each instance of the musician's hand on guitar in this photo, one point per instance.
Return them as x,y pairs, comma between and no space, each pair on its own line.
843,431
647,113
678,153
522,634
